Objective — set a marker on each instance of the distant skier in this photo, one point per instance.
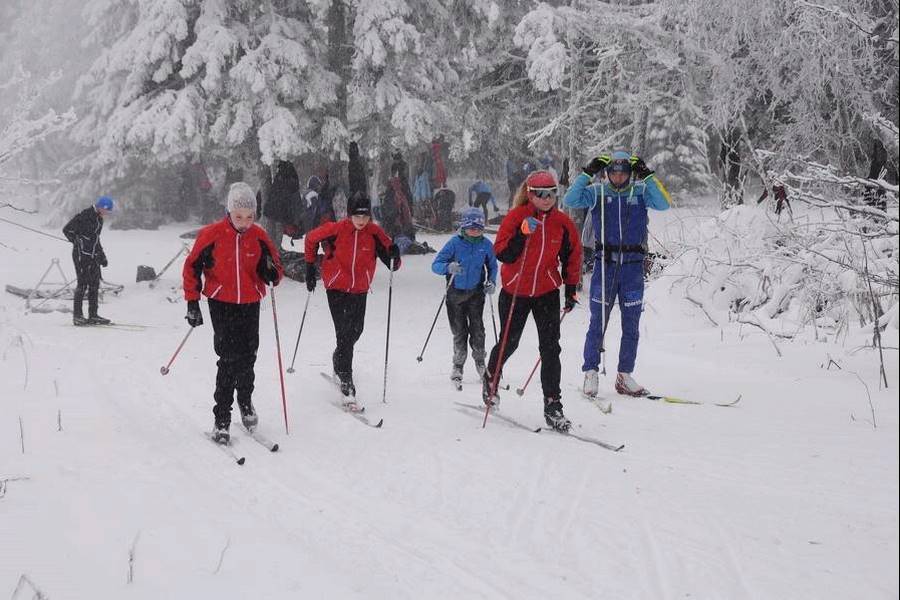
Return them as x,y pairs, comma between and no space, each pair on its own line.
231,263
350,246
468,258
618,210
480,194
88,255
541,251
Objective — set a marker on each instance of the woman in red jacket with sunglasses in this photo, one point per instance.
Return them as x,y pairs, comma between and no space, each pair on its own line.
541,251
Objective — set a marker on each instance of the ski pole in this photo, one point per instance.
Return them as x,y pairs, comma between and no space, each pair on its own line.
184,248
493,318
436,315
495,377
387,337
520,391
280,366
165,370
605,318
302,321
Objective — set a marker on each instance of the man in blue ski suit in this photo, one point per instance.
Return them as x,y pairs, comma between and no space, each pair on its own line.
618,211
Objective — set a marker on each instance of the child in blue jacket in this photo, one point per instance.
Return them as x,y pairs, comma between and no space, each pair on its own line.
468,262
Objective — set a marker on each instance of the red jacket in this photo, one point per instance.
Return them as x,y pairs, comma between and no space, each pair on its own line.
229,263
349,262
554,244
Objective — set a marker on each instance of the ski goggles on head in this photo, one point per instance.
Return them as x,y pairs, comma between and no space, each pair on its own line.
619,165
543,193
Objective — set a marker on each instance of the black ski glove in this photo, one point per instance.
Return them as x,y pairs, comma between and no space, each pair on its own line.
394,255
571,295
639,167
265,268
310,276
194,317
597,164
102,260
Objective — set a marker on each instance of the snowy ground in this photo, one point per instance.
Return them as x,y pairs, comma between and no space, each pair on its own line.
791,494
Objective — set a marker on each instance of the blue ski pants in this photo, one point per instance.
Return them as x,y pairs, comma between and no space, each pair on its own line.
625,282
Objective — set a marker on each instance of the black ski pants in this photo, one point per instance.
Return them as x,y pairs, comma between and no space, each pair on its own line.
87,274
348,311
546,312
464,311
236,340
481,201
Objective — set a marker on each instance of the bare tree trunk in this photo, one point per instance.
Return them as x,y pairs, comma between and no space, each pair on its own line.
730,159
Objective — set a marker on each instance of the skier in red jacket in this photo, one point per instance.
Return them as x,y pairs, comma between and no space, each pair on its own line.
351,246
231,263
535,241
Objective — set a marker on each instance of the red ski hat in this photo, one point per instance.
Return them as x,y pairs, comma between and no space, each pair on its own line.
541,180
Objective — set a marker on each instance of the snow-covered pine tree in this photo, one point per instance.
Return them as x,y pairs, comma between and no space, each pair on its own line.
235,80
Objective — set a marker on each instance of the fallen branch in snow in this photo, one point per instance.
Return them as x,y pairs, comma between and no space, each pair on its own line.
131,553
756,323
26,580
702,307
871,406
22,434
14,207
4,483
222,555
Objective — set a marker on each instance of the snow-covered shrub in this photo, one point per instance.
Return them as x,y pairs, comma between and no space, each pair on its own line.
823,267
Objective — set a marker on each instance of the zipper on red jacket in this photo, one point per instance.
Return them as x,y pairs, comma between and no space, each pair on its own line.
237,265
540,256
353,260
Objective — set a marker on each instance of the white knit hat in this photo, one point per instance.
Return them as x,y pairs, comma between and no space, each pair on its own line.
240,195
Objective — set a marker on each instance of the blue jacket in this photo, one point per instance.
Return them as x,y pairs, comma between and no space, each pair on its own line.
624,211
472,256
480,187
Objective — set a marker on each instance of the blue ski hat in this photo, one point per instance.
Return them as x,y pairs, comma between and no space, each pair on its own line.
472,218
621,162
104,202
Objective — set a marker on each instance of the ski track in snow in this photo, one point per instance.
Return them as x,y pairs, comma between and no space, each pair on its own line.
782,496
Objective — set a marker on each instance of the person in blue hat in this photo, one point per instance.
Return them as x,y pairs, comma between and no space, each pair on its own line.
467,261
88,255
617,208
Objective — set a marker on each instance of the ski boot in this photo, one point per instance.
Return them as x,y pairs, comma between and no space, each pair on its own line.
591,384
220,434
627,386
490,400
98,320
456,376
553,415
249,418
349,391
79,321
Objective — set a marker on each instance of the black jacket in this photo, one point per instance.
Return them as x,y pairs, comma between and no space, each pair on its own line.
284,194
84,233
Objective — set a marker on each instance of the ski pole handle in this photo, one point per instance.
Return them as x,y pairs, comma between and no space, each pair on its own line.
165,370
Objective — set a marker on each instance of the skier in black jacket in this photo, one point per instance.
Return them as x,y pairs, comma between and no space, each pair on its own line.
87,253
